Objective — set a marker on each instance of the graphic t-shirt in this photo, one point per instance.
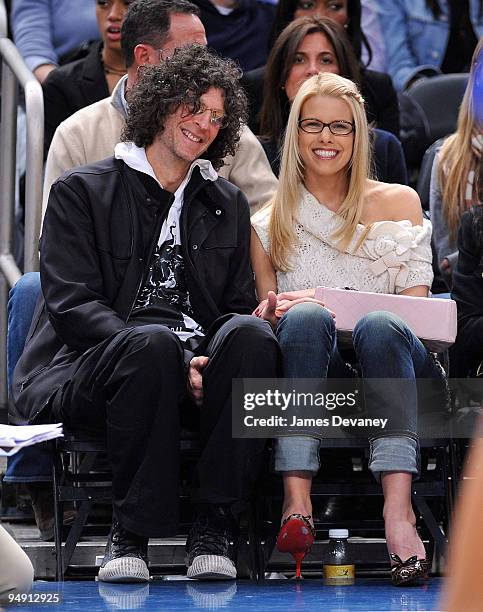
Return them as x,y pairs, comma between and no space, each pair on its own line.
164,296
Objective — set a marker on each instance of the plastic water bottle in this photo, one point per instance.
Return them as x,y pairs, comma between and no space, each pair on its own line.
339,566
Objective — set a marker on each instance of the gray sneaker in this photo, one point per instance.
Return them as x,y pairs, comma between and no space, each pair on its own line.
209,551
126,557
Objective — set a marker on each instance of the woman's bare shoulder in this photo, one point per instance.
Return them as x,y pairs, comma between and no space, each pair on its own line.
399,201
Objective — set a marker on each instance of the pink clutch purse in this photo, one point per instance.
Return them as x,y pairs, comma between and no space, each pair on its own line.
432,320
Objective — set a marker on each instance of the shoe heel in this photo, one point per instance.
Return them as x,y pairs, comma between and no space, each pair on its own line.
299,557
296,537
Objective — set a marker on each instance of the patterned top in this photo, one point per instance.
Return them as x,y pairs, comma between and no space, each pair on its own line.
394,256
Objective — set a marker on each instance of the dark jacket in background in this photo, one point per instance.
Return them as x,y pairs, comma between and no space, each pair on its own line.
379,94
71,87
382,106
468,293
243,34
388,157
99,233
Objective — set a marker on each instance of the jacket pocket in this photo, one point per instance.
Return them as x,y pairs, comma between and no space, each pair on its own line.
117,255
28,379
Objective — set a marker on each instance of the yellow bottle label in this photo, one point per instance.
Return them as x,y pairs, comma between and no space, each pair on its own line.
339,574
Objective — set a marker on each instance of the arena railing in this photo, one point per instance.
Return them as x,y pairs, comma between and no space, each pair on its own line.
15,74
3,20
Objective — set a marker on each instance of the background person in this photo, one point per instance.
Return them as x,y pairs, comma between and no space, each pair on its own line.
428,37
91,78
456,177
46,31
307,46
347,13
467,352
376,87
238,29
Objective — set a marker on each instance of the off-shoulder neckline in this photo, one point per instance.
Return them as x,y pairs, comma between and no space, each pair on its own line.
406,223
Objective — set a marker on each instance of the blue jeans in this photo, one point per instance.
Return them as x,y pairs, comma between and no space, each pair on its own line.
385,348
34,463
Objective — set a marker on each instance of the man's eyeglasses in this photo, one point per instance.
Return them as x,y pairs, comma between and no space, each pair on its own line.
338,128
164,54
217,117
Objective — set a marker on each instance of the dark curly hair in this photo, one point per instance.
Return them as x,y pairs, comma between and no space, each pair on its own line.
183,79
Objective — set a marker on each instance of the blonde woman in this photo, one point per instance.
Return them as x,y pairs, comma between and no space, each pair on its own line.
457,169
330,224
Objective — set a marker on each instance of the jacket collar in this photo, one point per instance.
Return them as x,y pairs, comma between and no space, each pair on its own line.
92,64
117,97
135,157
150,191
92,80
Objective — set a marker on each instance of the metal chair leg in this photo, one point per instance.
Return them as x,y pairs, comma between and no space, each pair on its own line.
57,472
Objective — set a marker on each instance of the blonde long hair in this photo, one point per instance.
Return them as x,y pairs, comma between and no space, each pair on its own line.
458,157
286,199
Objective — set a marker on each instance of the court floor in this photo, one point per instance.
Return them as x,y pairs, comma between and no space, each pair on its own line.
367,595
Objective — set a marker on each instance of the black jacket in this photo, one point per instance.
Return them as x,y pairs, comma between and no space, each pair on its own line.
468,293
377,89
71,87
100,230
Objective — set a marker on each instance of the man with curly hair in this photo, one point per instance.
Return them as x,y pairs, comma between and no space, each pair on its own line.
145,320
151,31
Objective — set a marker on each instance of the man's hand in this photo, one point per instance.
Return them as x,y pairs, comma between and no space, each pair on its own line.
445,266
195,379
267,309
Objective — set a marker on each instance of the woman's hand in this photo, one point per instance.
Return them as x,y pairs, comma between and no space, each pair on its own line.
288,299
276,306
296,295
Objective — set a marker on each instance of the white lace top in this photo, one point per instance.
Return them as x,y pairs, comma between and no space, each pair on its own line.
394,256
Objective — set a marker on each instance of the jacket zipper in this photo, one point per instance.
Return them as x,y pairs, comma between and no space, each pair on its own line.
30,376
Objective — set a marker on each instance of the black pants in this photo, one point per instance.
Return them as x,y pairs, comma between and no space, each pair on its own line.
132,386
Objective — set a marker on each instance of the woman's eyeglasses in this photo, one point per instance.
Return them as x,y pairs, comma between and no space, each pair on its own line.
338,128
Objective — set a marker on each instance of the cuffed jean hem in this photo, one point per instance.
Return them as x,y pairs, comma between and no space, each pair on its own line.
297,453
394,454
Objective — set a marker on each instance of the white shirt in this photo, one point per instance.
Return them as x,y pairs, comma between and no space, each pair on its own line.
394,256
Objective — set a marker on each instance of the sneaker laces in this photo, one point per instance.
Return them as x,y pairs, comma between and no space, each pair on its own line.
206,539
128,544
